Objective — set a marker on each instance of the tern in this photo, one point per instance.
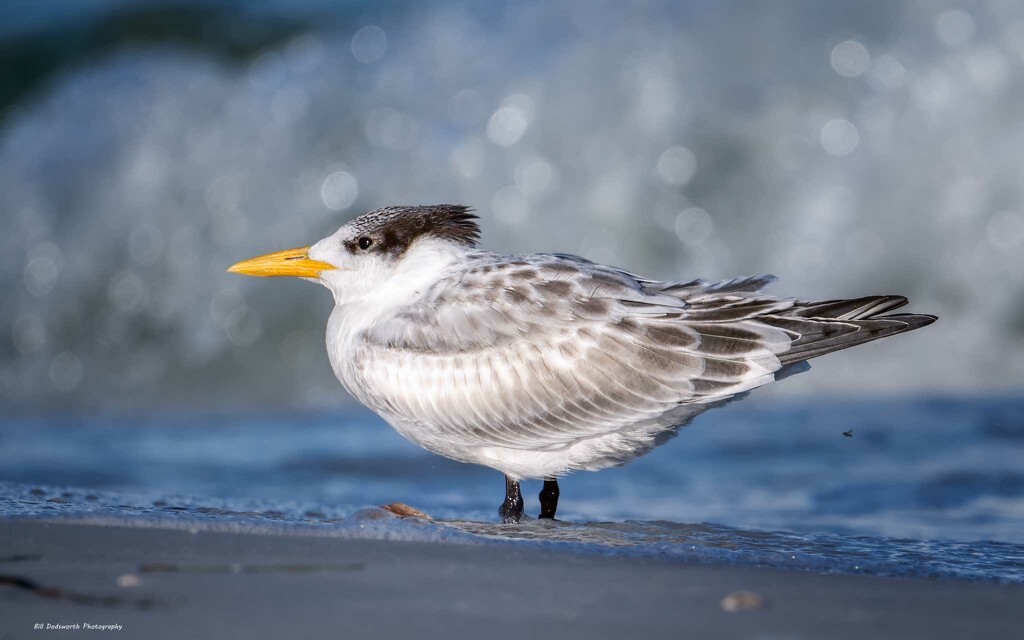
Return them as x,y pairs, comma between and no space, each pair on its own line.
544,364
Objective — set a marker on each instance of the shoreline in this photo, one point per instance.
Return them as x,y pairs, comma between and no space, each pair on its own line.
167,583
386,524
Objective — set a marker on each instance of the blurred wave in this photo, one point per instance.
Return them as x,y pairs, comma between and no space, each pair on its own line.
848,150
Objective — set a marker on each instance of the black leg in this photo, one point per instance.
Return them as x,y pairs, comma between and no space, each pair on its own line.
549,499
511,510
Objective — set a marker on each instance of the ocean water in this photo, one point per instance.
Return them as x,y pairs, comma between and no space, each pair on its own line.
922,486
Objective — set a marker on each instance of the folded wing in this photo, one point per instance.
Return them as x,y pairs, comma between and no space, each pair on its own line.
541,352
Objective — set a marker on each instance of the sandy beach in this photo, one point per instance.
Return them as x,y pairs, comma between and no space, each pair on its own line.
161,583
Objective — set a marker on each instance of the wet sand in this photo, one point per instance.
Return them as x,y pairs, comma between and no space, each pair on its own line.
160,583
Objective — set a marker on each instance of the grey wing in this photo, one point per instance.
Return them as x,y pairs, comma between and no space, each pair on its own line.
544,351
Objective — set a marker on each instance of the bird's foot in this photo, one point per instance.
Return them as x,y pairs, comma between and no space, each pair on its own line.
511,514
511,511
549,499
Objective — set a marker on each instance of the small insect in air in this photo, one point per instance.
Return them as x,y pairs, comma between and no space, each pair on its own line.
848,434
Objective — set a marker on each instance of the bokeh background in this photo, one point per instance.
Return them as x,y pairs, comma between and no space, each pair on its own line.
848,147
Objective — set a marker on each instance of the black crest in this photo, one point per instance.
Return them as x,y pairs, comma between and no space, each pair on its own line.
393,229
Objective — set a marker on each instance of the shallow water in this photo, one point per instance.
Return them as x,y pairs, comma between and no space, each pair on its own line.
929,487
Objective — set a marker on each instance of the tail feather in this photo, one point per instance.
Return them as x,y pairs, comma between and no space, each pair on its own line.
823,327
854,309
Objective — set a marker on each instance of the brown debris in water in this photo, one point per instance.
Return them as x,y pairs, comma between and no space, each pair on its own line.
403,510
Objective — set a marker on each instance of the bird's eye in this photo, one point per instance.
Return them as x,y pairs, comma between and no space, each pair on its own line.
365,243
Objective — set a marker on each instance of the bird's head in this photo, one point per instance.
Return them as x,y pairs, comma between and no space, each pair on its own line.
400,243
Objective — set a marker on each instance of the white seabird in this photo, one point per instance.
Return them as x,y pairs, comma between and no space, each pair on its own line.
540,365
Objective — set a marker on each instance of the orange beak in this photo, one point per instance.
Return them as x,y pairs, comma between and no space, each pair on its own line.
290,262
